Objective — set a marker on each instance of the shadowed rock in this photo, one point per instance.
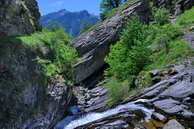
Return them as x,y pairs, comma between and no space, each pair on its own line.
25,102
18,17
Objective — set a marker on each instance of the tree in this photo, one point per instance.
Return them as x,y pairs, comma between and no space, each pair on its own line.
107,5
130,54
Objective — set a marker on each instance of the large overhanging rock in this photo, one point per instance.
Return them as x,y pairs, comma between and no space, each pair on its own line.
93,46
18,17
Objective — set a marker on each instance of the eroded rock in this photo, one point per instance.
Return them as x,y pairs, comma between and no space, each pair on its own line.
93,100
18,17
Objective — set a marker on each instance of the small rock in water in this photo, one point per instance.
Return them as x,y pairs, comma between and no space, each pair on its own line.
192,28
159,117
173,124
75,110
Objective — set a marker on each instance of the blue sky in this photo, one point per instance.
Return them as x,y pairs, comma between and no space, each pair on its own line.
47,6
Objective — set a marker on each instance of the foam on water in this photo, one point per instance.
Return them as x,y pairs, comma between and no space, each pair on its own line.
92,117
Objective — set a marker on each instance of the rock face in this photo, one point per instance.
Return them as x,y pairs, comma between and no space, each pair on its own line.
94,45
24,97
26,101
18,17
175,6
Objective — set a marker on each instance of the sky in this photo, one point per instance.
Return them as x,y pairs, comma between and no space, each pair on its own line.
48,6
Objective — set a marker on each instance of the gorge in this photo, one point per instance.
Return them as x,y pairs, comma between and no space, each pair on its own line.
32,97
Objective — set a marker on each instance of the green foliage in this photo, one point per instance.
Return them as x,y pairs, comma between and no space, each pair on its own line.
143,80
161,16
160,36
178,50
117,90
126,59
56,44
142,48
49,69
186,19
34,41
130,54
110,12
110,4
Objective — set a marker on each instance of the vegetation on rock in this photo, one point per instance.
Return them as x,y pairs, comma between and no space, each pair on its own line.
109,10
59,53
142,48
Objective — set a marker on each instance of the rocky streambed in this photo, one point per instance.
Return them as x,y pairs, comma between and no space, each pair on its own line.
168,104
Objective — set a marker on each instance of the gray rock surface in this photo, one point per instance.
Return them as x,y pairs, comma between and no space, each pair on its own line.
18,17
173,124
189,39
93,100
93,46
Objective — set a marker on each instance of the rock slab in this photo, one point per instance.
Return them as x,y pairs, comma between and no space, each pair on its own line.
93,46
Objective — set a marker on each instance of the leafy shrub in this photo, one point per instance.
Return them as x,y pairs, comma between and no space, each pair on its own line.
186,19
130,54
160,36
64,55
178,50
111,12
117,90
57,43
143,80
161,16
126,59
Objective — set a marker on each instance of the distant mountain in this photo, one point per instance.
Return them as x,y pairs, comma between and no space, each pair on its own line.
71,21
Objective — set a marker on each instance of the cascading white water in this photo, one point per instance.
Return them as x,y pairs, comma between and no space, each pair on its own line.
92,117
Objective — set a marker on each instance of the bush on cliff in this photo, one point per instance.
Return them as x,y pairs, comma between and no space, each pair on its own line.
161,16
126,59
59,54
186,20
130,54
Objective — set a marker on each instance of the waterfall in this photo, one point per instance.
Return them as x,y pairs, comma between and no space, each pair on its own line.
92,117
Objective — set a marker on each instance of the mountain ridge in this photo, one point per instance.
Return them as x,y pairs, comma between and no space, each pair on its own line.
72,22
